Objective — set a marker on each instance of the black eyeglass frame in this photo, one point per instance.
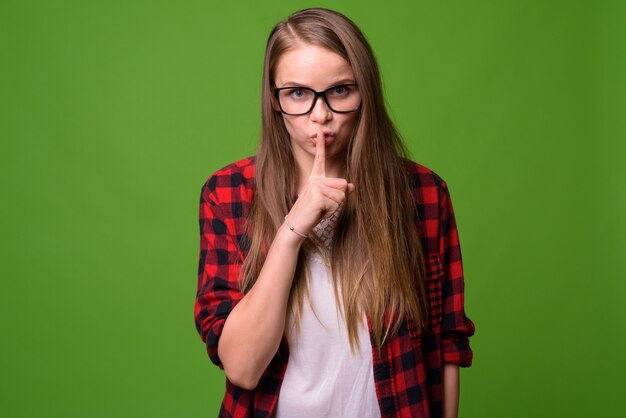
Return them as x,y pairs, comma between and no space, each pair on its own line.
317,94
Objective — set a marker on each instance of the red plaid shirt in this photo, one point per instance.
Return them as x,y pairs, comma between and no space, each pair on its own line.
408,369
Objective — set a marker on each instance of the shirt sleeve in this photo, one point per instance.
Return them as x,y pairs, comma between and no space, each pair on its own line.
218,269
456,327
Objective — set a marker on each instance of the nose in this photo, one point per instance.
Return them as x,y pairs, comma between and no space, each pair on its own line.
321,112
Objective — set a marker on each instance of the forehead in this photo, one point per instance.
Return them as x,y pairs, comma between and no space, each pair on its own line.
311,66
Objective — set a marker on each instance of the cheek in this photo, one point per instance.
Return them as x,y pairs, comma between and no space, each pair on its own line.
292,125
349,122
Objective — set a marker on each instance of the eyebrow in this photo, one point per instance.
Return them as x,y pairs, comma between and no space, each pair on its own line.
333,84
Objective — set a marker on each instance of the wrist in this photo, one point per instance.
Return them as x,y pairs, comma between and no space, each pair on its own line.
288,237
293,229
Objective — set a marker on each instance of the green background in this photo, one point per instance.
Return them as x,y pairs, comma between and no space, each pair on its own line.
114,113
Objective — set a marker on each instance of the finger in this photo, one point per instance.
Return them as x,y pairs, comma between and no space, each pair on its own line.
335,183
337,196
319,163
330,209
350,189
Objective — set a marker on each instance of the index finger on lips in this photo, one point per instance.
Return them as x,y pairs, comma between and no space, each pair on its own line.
319,163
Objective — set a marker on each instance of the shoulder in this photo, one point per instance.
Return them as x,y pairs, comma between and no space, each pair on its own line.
234,182
432,205
428,186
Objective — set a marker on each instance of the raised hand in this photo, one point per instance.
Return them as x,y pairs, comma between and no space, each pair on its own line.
321,196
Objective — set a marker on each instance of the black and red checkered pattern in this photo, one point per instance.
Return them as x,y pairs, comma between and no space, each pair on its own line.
408,368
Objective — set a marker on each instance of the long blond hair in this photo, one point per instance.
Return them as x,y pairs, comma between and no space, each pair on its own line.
376,258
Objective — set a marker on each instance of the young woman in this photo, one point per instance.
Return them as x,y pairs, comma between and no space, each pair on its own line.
330,280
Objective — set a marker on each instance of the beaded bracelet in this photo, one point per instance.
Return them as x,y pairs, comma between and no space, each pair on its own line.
294,229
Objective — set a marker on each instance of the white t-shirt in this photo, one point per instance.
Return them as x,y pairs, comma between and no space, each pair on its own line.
324,378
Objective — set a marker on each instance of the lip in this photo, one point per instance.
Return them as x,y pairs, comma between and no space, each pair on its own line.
328,136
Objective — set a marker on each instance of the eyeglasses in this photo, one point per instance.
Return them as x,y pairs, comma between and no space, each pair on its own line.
295,101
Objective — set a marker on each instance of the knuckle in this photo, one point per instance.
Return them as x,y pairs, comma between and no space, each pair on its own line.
318,200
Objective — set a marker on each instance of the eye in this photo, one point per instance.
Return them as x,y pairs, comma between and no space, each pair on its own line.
298,93
340,90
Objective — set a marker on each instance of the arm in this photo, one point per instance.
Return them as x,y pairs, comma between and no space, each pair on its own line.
450,390
243,333
456,327
254,328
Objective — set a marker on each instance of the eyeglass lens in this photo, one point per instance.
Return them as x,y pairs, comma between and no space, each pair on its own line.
300,100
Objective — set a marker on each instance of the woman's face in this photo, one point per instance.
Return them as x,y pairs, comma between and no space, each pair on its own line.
319,69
